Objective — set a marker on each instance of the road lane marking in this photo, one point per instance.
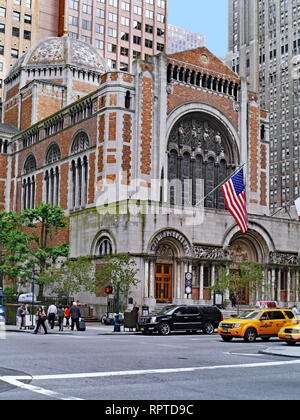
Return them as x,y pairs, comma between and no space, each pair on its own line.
152,371
46,392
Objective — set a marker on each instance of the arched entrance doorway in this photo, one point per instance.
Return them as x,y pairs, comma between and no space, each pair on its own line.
246,248
170,250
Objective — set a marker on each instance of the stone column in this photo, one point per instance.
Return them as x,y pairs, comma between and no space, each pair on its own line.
201,271
279,285
151,282
288,287
273,279
146,279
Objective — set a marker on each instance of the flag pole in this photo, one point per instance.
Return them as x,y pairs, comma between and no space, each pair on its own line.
221,183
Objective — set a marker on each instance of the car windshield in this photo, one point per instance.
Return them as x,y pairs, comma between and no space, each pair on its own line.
250,315
167,310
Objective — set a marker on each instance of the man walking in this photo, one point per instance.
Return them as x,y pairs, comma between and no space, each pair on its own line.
75,315
52,314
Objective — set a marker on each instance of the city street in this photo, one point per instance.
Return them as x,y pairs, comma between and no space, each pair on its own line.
95,365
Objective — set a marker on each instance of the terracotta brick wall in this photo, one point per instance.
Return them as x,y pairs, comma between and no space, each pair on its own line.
146,132
186,94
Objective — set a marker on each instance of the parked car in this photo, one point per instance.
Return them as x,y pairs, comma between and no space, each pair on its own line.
182,318
2,315
264,323
290,334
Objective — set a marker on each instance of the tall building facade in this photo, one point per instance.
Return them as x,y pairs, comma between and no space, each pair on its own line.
122,30
264,41
135,161
22,23
180,39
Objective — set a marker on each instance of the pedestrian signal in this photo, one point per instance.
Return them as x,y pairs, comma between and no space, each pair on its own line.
109,290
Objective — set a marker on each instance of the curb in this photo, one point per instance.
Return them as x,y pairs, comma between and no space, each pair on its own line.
283,351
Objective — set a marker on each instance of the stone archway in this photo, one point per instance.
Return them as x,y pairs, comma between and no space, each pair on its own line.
249,247
169,250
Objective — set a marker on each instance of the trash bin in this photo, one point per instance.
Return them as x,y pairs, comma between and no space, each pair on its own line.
145,310
130,320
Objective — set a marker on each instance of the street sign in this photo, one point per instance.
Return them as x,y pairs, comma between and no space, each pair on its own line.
188,283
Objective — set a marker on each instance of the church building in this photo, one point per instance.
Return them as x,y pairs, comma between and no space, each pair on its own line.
136,161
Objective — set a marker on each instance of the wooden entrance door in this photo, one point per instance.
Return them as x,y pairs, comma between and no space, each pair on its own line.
242,291
163,283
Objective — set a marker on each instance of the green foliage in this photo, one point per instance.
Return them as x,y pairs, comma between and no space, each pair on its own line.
24,240
14,245
247,273
72,277
44,221
119,269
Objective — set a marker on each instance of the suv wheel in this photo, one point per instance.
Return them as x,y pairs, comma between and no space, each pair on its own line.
164,328
208,328
250,335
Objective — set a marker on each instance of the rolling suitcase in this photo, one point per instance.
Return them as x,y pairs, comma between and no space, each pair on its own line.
82,326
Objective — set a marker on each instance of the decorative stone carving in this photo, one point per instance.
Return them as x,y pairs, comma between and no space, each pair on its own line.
195,131
284,258
62,50
174,235
48,52
210,253
165,251
86,55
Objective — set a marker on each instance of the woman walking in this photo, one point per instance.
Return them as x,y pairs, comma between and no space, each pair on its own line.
41,318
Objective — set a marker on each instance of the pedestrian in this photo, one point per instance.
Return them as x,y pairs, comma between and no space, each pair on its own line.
78,304
21,317
61,315
52,314
75,315
67,316
233,299
295,310
41,319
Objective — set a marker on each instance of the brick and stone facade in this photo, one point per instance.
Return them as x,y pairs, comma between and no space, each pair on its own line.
116,159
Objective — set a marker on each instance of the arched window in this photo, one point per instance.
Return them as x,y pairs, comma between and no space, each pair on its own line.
200,154
28,193
30,165
80,143
53,154
52,186
79,182
104,247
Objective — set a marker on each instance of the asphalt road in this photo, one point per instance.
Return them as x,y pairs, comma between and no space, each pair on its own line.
93,366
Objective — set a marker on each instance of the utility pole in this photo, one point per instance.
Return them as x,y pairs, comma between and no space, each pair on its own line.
32,292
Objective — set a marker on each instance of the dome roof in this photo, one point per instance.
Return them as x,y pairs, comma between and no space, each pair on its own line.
61,50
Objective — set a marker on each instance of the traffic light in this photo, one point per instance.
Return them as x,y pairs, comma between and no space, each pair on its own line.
109,290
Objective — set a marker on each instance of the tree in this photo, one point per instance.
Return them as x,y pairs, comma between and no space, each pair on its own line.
14,251
43,222
72,277
119,270
248,274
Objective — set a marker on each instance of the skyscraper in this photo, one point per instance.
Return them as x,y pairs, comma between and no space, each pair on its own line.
180,39
122,30
264,39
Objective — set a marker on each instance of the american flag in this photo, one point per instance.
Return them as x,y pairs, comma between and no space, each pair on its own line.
235,198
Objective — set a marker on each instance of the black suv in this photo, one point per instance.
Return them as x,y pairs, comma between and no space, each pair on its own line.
182,318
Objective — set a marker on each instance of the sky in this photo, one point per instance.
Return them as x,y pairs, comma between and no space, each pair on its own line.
207,17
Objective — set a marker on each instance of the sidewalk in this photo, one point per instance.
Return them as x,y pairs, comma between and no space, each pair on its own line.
283,350
96,329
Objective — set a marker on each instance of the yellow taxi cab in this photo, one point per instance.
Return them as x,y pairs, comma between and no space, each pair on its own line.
253,323
290,334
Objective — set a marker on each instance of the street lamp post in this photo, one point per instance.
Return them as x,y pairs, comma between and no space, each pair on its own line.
32,301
